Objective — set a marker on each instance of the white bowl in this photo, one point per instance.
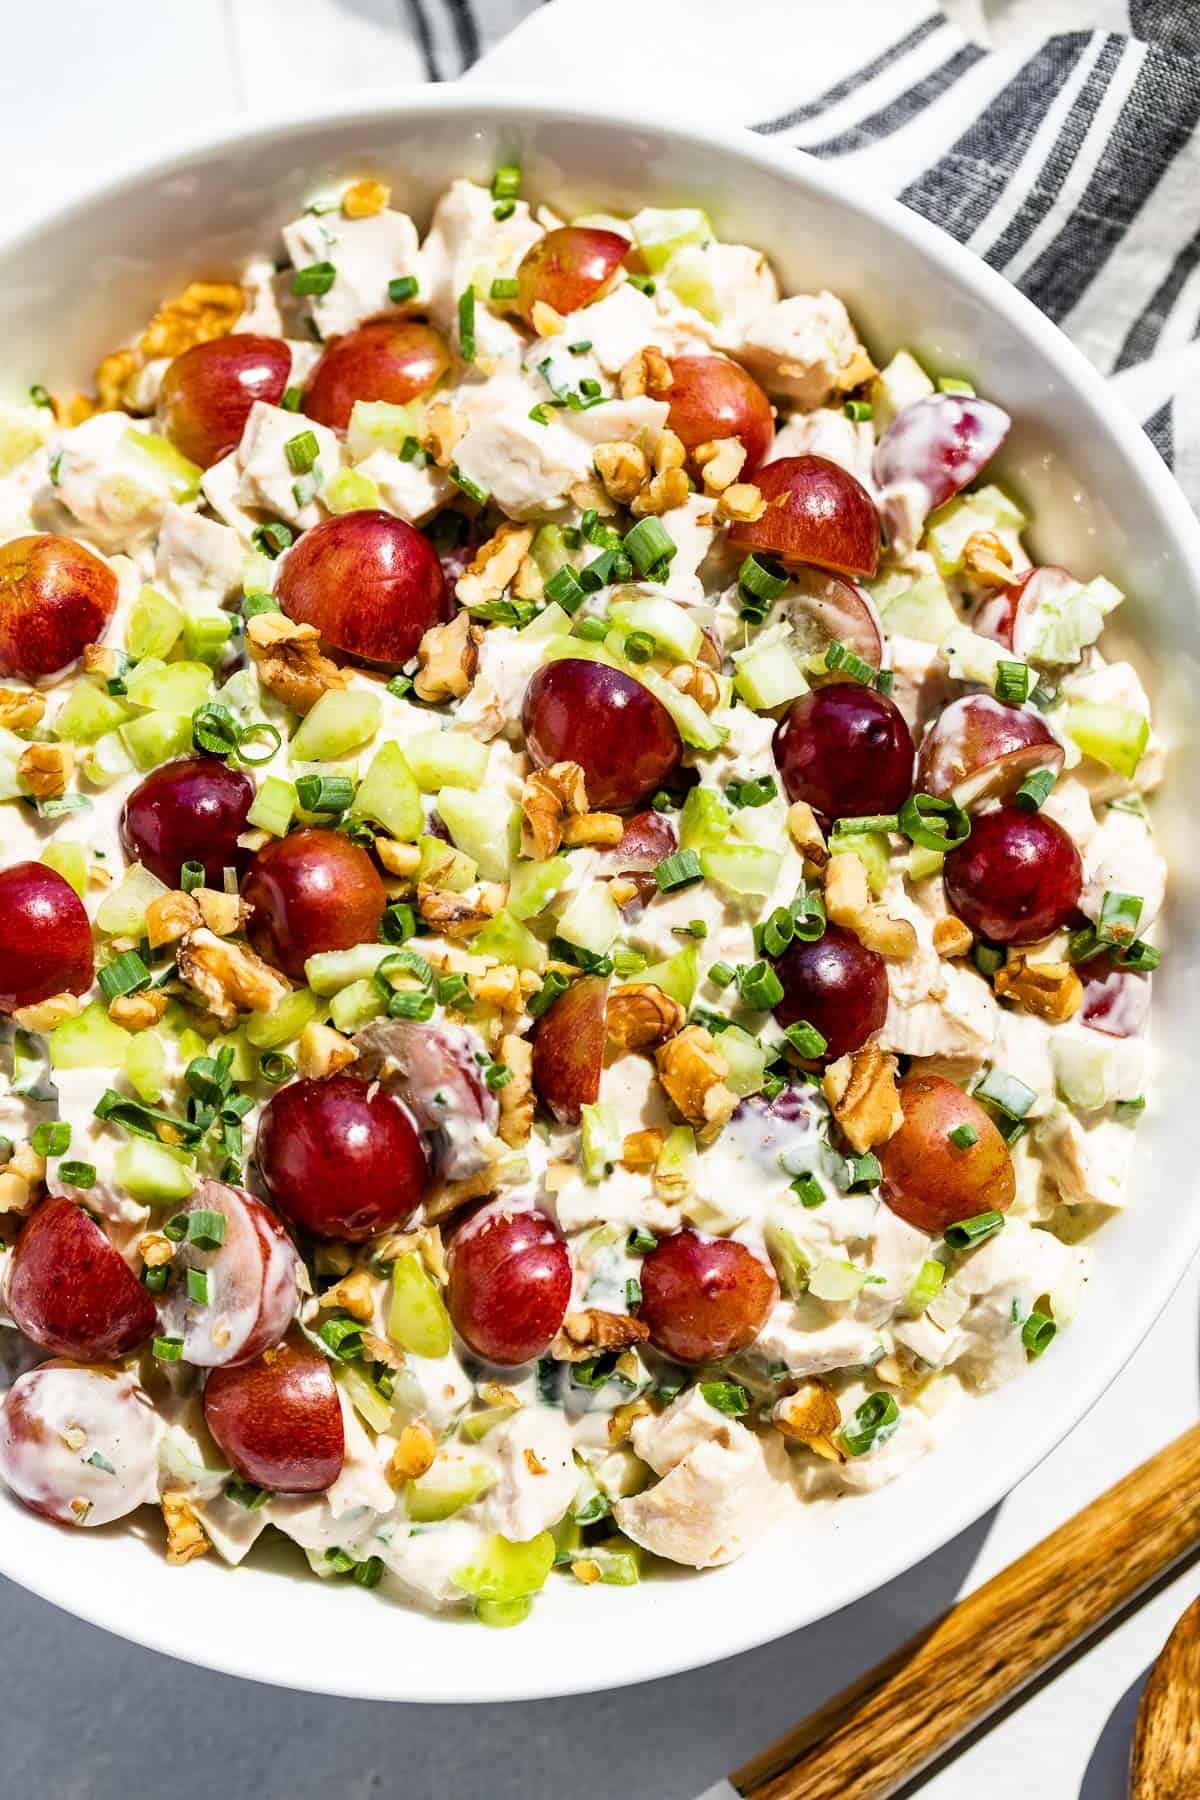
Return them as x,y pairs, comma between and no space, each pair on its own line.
80,279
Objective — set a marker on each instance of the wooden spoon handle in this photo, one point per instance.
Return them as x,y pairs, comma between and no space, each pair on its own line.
871,1739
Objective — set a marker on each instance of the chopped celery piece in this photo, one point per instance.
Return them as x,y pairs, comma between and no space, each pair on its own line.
349,490
89,713
689,275
157,737
447,1487
922,863
341,722
767,673
146,1066
1065,621
487,826
441,759
618,1560
178,687
534,884
692,722
502,1615
23,429
989,509
1113,735
675,1170
284,1023
592,920
356,1005
550,550
921,610
1093,1070
380,425
705,821
743,870
417,1316
501,1570
389,794
505,938
331,970
927,1286
477,1425
660,232
791,1263
363,1396
122,912
244,1066
552,621
154,625
836,1281
274,806
601,1140
69,861
107,761
902,382
970,657
675,632
182,476
206,635
677,976
88,1041
873,850
153,1172
747,1061
444,866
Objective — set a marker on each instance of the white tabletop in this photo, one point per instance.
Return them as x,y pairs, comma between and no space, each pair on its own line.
85,1715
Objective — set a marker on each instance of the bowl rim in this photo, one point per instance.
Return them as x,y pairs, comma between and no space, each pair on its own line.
658,1656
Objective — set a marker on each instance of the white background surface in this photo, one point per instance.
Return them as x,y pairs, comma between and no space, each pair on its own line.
89,1718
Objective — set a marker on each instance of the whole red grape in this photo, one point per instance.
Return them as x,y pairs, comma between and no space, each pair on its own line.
341,1158
623,739
312,890
1017,878
210,390
510,1283
56,598
193,810
836,985
568,268
846,750
711,398
704,1298
395,360
279,1419
370,583
45,938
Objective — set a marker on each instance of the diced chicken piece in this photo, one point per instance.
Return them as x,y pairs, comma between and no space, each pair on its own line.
493,703
197,560
664,1440
366,253
1122,857
637,421
116,493
1069,804
744,288
1022,1048
746,751
96,1142
935,1007
714,1502
828,432
263,313
425,1563
923,686
528,468
1116,684
692,528
232,1529
886,1461
411,492
1087,1159
802,1336
799,348
618,326
537,1480
468,245
266,481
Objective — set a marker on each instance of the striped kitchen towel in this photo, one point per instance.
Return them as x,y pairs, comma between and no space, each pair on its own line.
1058,139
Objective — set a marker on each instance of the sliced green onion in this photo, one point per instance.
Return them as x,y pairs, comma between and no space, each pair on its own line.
40,396
963,1136
244,1493
885,681
1007,1092
275,1067
806,1040
727,1397
873,1421
863,1172
1141,957
504,209
401,288
808,1191
470,488
292,399
324,793
838,657
206,1229
466,324
256,602
721,974
640,1242
928,1285
302,452
214,729
643,283
1034,789
497,1075
648,545
555,984
867,822
1036,1334
505,287
1013,682
369,1574
191,876
197,1286
760,987
452,990
858,410
678,870
1120,915
264,738
52,1138
155,1280
565,589
273,538
987,957
398,924
640,646
126,974
934,824
969,1232
77,1174
506,182
342,1338
317,278
168,1349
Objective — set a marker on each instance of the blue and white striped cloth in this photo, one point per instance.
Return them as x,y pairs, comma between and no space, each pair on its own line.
1058,139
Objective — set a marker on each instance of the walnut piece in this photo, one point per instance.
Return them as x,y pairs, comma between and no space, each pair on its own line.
988,559
640,1016
590,1332
1049,990
806,834
186,1537
45,769
363,199
229,977
223,914
354,1294
646,372
545,320
460,915
720,463
516,1096
494,565
137,1012
810,1416
443,428
205,310
322,1051
848,902
548,797
642,1149
741,504
698,682
661,494
601,828
449,657
861,1091
398,859
413,1456
623,469
289,660
951,938
20,708
171,916
114,374
622,1421
693,1071
155,1250
44,1015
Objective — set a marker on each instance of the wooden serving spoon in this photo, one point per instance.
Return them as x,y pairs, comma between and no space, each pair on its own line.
870,1740
1166,1745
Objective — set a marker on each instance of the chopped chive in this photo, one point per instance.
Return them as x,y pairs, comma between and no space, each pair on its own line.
292,399
126,974
324,793
302,452
852,666
276,1068
401,288
452,990
968,1232
727,1397
721,974
564,588
552,987
155,1280
168,1349
806,1040
808,1191
272,539
640,1242
317,278
470,488
858,410
369,1574
504,288
466,324
191,876
40,396
581,347
52,1138
504,209
506,182
648,545
963,1136
934,824
867,822
1013,682
640,647
77,1174
197,1286
678,870
759,986
206,1229
1036,1334
1034,789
